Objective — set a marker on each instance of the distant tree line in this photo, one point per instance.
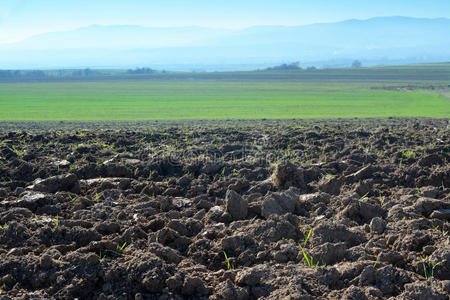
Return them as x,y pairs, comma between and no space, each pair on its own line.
295,66
84,73
285,67
21,74
39,74
141,71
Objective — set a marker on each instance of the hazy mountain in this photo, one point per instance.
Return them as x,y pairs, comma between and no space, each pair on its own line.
119,37
378,40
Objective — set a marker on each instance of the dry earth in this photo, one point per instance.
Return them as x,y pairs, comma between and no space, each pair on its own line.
151,213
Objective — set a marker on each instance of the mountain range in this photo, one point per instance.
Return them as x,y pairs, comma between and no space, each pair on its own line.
381,40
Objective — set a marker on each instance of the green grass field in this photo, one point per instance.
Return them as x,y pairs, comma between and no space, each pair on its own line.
164,99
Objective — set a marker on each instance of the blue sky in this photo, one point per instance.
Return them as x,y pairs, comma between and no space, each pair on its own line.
23,18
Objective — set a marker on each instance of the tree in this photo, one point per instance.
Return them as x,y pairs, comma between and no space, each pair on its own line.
356,64
285,67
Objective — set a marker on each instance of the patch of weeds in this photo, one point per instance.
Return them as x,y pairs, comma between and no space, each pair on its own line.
287,153
409,154
440,230
428,268
20,153
99,162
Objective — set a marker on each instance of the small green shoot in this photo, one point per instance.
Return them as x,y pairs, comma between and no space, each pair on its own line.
310,260
122,247
101,258
409,154
364,196
381,200
57,221
375,264
418,190
136,172
307,237
228,261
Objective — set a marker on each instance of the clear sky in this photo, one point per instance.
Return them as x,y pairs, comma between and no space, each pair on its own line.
23,18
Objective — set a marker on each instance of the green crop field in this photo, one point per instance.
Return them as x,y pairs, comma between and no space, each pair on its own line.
253,95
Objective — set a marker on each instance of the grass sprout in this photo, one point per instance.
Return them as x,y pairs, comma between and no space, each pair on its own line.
307,237
375,263
228,261
310,260
101,258
120,248
223,172
409,154
428,268
381,200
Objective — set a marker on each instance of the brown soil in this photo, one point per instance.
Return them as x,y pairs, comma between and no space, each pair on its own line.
150,213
